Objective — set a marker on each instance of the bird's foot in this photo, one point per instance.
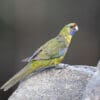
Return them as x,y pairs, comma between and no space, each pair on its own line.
61,66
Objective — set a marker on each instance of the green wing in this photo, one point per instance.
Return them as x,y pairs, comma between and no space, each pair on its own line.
54,48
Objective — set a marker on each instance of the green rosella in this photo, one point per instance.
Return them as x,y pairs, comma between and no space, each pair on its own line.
49,54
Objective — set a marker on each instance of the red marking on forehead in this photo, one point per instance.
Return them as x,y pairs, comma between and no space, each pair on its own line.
74,25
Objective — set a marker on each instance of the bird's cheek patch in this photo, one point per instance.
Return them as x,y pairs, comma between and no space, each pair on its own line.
72,32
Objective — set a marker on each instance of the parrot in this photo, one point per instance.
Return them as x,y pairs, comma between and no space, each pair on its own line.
50,53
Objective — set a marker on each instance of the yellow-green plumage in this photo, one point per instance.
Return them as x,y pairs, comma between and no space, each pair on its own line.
50,54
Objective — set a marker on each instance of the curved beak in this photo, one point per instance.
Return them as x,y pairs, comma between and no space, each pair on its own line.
76,28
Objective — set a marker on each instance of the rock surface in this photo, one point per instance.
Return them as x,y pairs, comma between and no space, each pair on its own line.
55,84
93,87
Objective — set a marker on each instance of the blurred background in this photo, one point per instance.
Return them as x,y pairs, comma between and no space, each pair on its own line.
27,24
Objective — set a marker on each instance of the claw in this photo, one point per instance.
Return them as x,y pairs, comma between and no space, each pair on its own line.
61,66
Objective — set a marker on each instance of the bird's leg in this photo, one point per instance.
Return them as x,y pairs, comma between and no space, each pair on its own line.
61,66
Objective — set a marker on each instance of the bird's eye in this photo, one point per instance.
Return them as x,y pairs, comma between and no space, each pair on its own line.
71,26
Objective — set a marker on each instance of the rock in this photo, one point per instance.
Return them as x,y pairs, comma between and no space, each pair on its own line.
93,87
55,84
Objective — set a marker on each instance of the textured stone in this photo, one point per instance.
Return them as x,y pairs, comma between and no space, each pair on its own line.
93,87
55,84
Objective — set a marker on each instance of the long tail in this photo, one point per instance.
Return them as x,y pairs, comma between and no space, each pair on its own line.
17,77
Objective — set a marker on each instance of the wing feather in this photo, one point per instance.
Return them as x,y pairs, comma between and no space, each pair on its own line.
54,48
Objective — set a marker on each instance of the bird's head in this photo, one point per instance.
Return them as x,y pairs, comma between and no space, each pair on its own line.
72,28
68,31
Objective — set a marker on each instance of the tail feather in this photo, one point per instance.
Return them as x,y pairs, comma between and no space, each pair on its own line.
17,77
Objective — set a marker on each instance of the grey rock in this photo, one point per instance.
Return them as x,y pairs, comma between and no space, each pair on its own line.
93,87
55,84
